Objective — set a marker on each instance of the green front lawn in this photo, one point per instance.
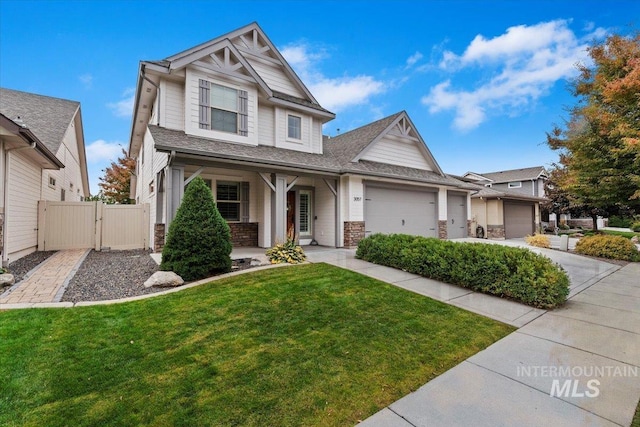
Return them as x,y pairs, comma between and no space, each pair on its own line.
304,345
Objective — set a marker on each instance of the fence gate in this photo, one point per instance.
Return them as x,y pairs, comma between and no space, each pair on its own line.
79,225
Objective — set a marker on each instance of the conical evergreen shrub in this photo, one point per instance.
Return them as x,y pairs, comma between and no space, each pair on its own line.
199,241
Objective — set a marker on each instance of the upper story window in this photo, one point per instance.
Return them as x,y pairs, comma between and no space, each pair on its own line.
294,127
223,108
516,184
52,182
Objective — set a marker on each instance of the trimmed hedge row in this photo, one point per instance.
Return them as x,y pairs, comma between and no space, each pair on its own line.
510,272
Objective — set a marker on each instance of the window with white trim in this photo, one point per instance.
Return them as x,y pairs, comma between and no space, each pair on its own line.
232,200
294,127
305,212
515,184
52,182
223,108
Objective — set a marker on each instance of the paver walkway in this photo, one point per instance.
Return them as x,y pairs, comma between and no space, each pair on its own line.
47,283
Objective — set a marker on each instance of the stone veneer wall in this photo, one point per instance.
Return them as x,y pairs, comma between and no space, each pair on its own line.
470,231
244,233
158,237
353,233
442,229
495,231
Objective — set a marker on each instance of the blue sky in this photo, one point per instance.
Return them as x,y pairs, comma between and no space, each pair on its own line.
482,80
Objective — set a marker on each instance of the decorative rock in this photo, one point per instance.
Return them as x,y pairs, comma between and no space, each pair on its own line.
6,279
164,279
634,239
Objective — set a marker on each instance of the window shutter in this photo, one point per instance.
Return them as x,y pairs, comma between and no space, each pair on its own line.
243,112
244,201
204,101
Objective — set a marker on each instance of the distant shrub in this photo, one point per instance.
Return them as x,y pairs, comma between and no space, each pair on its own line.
618,221
538,240
504,271
635,227
199,240
564,227
607,246
287,252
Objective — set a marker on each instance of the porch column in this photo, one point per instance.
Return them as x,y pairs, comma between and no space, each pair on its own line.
443,209
279,208
174,191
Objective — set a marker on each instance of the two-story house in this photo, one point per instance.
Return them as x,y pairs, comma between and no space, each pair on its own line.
233,111
42,157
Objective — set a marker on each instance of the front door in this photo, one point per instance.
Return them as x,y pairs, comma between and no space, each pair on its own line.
291,214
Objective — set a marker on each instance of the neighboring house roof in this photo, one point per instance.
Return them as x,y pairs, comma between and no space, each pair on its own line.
47,117
491,193
524,174
330,162
24,134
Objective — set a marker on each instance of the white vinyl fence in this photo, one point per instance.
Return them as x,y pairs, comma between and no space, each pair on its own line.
79,225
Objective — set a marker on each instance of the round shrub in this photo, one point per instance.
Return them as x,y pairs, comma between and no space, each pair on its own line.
199,240
510,272
607,246
538,240
635,227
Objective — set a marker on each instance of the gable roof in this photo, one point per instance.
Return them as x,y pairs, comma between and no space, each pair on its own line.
18,132
350,146
524,174
483,192
47,117
330,162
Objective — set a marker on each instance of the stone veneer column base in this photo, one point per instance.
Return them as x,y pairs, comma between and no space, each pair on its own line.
470,230
244,233
442,229
495,231
353,233
158,237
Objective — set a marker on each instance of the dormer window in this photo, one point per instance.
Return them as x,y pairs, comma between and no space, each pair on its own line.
223,108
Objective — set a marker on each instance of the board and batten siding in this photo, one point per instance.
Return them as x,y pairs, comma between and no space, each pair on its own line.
192,109
172,116
21,214
275,77
396,152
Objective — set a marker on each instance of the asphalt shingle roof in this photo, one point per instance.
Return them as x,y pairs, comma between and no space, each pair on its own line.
47,117
514,174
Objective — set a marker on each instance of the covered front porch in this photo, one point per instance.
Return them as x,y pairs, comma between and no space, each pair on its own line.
262,205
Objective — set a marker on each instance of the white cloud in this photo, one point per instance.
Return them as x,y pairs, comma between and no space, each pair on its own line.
124,107
86,80
525,62
411,61
101,151
334,94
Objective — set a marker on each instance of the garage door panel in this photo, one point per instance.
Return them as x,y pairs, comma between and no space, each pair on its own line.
404,211
518,220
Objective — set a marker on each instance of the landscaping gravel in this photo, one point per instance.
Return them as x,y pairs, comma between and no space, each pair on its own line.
107,275
27,263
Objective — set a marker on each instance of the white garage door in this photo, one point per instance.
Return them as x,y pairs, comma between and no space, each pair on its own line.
518,219
400,210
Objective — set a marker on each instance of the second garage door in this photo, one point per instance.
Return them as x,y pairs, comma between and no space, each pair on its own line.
400,210
518,219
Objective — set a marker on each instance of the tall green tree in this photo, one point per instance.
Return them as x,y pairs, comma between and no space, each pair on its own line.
600,144
116,183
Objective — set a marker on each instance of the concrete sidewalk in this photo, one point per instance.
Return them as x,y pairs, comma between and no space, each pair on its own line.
542,374
47,282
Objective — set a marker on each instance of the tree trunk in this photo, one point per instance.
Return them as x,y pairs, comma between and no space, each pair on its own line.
594,218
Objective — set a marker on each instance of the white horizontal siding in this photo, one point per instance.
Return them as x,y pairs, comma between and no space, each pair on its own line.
173,117
21,214
325,224
397,152
281,127
266,129
275,77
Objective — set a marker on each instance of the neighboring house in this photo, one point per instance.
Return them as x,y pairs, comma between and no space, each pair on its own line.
233,111
507,203
42,157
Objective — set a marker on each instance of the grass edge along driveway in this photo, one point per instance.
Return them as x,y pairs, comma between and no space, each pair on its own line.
305,345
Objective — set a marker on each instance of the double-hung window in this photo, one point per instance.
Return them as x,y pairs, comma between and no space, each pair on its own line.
223,108
232,200
294,127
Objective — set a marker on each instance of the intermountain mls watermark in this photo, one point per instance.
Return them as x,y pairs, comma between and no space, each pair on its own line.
576,381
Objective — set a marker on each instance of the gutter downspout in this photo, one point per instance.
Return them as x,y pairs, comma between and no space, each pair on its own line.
5,254
144,77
